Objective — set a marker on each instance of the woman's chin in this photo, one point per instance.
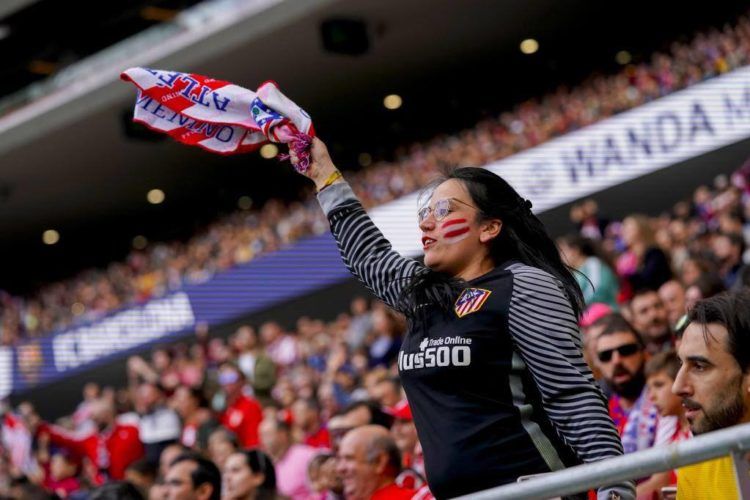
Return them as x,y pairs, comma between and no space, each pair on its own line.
436,261
431,262
435,265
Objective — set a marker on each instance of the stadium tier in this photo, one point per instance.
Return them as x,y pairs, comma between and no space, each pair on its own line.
707,117
249,346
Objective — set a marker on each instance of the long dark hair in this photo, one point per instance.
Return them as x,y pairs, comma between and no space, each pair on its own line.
261,463
523,237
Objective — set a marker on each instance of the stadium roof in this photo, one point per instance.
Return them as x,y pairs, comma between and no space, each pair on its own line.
11,6
71,166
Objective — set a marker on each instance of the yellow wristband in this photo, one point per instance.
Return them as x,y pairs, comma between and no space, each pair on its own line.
331,179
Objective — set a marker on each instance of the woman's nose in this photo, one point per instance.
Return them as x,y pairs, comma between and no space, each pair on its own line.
428,223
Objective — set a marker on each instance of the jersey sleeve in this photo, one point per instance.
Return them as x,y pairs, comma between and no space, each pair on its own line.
365,251
545,332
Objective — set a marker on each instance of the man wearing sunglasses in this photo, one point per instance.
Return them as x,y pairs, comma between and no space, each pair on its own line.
621,357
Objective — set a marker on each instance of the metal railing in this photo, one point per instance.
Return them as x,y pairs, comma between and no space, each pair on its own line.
734,441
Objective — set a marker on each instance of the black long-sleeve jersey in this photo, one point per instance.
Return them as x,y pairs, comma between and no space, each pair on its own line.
500,388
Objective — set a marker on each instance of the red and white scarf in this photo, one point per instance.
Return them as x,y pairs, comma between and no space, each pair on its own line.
217,115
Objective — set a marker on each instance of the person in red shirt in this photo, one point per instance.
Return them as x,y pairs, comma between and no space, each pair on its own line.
61,477
243,413
368,463
404,433
111,446
306,417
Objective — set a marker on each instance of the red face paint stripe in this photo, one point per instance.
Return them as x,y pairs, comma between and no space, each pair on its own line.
452,222
456,232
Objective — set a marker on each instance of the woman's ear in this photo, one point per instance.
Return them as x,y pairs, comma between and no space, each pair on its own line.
258,479
489,230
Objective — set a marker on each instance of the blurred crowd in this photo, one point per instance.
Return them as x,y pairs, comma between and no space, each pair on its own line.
318,412
241,236
313,413
640,276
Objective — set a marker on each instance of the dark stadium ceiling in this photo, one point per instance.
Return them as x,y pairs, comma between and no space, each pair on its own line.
453,61
35,43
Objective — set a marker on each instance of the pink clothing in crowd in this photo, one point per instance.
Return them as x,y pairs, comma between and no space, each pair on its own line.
283,351
291,472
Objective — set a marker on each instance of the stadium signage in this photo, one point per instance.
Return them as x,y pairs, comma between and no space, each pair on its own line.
656,135
664,132
308,265
6,371
122,331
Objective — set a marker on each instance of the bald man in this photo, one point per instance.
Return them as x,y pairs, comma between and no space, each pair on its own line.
368,463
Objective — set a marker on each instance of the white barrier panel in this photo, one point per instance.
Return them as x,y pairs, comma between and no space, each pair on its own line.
6,371
664,132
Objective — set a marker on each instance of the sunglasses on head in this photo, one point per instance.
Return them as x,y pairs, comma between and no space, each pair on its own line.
624,351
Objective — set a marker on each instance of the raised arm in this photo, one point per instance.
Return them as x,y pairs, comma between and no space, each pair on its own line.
365,251
63,438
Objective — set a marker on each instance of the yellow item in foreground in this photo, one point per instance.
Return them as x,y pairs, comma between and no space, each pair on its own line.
713,480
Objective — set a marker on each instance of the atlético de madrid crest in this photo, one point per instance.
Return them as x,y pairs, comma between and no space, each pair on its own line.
470,300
